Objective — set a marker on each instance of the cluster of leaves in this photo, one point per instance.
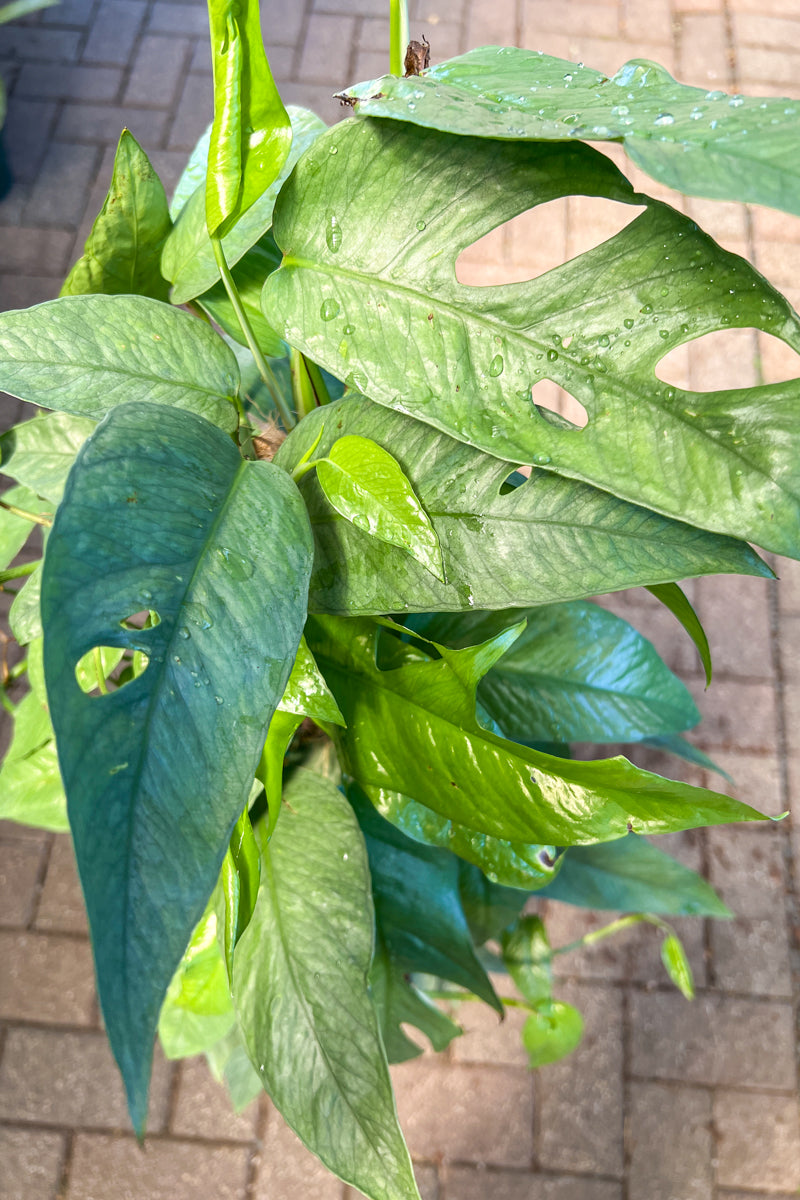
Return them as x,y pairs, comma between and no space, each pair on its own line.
313,715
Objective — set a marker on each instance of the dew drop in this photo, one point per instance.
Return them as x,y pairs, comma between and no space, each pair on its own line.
695,114
333,235
646,309
736,102
496,366
420,225
236,565
349,329
552,355
629,322
198,616
604,340
176,658
219,700
356,380
541,460
664,118
663,333
329,309
184,633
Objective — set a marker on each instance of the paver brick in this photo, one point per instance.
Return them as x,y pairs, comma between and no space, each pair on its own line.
752,955
492,25
61,908
46,977
282,23
465,1184
704,57
68,82
27,250
193,113
593,20
465,1113
19,872
183,19
26,136
712,1040
21,291
286,1170
361,8
758,1141
31,1163
755,29
326,49
581,1098
70,1079
746,867
777,67
670,1143
736,715
723,359
756,777
737,625
157,70
68,12
487,1039
647,20
104,123
160,1170
114,29
203,1107
42,45
59,195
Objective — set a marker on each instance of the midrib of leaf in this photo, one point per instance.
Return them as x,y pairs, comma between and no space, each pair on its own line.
570,685
530,344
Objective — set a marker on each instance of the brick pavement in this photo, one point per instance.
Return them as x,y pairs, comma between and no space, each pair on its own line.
663,1100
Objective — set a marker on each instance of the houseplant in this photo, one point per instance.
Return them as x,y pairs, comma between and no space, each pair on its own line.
180,567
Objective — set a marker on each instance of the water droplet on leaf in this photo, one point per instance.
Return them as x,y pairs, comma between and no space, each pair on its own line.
496,365
329,309
333,235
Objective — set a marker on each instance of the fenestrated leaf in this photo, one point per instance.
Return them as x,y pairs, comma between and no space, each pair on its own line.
577,673
40,452
14,529
512,864
673,598
417,904
122,254
704,143
87,354
169,518
188,258
248,275
632,875
368,487
398,1002
549,539
300,988
251,132
551,1033
464,358
413,730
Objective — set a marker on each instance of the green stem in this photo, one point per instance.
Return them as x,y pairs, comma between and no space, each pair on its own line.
287,416
19,572
98,669
17,670
597,935
398,35
303,468
37,518
6,703
458,997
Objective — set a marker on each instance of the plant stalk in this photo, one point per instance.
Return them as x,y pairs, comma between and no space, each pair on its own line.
398,35
287,416
37,518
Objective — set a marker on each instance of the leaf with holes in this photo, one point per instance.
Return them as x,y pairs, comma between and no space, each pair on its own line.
169,518
464,359
549,539
300,989
704,143
122,254
87,354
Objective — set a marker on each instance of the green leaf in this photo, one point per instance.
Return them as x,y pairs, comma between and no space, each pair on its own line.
251,133
631,875
413,730
193,175
598,325
368,487
417,906
197,1010
237,888
673,598
673,743
398,1002
230,1065
25,618
300,988
307,694
551,1033
576,674
40,452
512,864
30,784
703,143
677,965
15,530
188,257
248,275
528,959
122,254
549,539
488,907
87,354
176,522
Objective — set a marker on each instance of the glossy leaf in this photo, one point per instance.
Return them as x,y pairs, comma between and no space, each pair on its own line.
87,354
417,906
704,143
464,358
39,453
488,907
307,694
549,539
14,529
170,518
632,875
251,132
25,619
677,965
31,791
248,275
193,175
673,598
414,730
551,1033
197,1009
398,1002
300,988
367,487
673,743
528,959
122,254
188,258
512,864
237,888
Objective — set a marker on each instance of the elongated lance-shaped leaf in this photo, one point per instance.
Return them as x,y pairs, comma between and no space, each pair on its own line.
188,257
413,730
122,254
161,513
577,673
251,132
373,249
704,143
87,354
550,539
673,598
300,988
39,453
